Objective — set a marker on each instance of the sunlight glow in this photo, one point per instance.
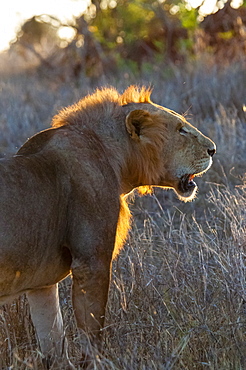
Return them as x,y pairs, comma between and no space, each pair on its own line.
14,12
209,6
66,33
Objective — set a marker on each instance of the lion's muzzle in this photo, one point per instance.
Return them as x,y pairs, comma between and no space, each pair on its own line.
211,152
186,184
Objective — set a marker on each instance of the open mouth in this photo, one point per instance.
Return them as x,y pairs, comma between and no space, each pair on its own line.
186,184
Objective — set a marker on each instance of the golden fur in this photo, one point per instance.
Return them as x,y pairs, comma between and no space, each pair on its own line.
106,101
63,201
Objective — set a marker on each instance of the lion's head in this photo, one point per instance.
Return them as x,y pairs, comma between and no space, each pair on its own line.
152,145
172,149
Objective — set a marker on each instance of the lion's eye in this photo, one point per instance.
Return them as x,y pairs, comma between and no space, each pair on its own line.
182,131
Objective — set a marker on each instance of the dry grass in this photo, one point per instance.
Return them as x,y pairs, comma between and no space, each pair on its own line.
178,295
178,292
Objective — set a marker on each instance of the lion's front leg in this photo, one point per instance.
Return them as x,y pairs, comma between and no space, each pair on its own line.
90,294
47,319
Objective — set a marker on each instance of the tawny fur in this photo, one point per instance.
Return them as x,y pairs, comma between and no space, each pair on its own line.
63,202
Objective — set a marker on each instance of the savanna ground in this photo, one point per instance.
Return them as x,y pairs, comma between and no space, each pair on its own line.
178,292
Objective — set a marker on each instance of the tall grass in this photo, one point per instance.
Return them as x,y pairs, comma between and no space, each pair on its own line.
179,290
178,293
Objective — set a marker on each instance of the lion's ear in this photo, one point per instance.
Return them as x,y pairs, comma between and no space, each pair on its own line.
135,122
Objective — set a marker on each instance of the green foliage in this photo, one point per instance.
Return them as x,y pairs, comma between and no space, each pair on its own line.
228,35
116,34
188,17
125,23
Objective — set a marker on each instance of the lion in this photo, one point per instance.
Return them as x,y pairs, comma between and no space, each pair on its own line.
63,202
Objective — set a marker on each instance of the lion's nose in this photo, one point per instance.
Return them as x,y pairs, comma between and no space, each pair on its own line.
211,152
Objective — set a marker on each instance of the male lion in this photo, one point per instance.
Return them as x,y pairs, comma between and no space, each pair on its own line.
63,208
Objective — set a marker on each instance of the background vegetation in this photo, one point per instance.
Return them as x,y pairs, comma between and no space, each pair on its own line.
178,294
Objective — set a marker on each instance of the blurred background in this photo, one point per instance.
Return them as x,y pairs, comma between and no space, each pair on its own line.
79,38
